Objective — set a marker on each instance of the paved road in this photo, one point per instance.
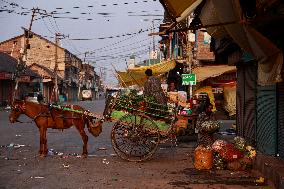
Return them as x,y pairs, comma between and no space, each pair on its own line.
20,166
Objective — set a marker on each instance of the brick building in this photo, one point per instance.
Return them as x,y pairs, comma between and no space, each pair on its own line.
7,80
202,46
41,58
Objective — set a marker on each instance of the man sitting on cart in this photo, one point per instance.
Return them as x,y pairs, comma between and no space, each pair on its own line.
152,87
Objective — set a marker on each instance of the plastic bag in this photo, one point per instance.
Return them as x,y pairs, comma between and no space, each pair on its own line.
230,153
218,145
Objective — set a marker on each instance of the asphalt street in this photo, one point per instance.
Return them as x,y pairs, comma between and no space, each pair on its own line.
171,167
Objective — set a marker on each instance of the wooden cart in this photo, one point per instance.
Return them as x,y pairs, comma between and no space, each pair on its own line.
137,131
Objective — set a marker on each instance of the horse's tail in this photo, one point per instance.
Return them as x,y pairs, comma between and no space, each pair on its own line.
95,128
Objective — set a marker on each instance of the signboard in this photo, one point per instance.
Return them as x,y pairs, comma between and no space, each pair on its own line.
24,79
188,79
5,75
2,75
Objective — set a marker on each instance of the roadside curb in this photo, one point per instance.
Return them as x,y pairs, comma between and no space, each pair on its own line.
272,168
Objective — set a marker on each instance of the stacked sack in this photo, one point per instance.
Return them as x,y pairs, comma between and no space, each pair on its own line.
237,156
210,126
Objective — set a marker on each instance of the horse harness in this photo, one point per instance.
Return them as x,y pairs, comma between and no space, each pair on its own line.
62,116
43,113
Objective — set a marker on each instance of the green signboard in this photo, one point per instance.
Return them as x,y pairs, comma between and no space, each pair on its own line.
188,79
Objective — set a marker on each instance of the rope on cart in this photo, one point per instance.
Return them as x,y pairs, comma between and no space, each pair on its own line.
87,113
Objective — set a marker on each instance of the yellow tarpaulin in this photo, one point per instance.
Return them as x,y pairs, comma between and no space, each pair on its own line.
206,72
136,76
230,100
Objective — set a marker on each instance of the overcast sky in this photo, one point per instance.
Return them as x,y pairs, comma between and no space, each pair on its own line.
109,30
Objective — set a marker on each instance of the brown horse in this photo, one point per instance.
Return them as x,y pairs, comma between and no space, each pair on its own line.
55,117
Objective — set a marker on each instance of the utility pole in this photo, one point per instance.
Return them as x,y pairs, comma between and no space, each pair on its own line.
189,56
27,35
21,66
56,68
55,89
153,35
85,55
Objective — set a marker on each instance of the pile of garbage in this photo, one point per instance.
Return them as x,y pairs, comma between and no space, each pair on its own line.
236,156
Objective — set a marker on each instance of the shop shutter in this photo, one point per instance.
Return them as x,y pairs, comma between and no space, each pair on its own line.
250,103
267,120
240,100
5,92
280,103
246,101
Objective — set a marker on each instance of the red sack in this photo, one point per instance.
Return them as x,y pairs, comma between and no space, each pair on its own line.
230,153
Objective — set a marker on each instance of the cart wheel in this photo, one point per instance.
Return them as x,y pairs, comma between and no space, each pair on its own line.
135,137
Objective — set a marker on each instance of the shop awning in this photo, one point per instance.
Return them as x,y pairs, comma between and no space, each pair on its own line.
180,9
136,76
206,72
269,57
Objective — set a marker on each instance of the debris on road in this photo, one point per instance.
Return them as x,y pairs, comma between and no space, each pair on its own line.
37,177
12,145
93,155
105,161
66,166
102,149
18,145
52,152
260,180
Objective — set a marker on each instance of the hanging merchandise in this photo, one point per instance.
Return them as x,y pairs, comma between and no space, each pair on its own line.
207,38
191,37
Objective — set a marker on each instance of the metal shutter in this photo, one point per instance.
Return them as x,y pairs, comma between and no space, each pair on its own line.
280,103
250,103
267,120
246,101
240,100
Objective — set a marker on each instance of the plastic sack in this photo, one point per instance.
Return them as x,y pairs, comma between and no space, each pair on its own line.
240,164
210,126
230,153
218,145
203,158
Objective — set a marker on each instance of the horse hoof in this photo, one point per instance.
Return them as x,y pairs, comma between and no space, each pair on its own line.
84,155
42,155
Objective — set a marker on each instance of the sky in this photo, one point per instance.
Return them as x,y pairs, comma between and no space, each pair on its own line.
107,32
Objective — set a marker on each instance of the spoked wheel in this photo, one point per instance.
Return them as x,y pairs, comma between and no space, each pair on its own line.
135,137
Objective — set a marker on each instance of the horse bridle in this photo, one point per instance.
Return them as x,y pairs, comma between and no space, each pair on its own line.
20,108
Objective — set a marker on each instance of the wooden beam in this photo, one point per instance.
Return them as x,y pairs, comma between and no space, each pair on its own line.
171,26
